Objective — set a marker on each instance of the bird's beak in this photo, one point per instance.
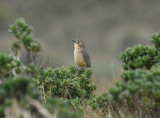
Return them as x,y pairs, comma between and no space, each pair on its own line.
74,41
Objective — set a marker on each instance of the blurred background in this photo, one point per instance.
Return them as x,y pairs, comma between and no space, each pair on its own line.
107,27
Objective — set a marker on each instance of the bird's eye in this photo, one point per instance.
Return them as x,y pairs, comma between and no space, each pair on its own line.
77,41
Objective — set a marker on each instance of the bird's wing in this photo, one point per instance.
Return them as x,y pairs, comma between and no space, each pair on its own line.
87,58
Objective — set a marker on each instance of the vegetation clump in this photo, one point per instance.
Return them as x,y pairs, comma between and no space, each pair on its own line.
19,94
138,92
27,89
66,83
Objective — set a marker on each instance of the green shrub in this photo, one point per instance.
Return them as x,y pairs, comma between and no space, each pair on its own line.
66,83
16,89
19,97
139,88
138,93
9,66
13,64
24,96
156,40
66,93
61,108
23,32
140,57
100,101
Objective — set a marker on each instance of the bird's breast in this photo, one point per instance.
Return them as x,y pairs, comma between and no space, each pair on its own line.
79,59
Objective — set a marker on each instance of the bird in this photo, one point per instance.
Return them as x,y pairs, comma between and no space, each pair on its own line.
81,57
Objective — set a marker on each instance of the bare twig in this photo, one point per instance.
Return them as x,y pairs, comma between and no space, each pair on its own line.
41,109
44,94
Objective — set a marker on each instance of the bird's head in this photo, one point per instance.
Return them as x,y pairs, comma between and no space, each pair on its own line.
78,44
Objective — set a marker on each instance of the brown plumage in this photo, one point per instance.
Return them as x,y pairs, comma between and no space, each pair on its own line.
81,57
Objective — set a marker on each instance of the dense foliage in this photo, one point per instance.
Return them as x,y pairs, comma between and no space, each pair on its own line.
25,40
140,57
138,93
9,66
28,90
19,94
23,32
66,83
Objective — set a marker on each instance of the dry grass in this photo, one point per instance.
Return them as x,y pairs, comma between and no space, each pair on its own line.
106,112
